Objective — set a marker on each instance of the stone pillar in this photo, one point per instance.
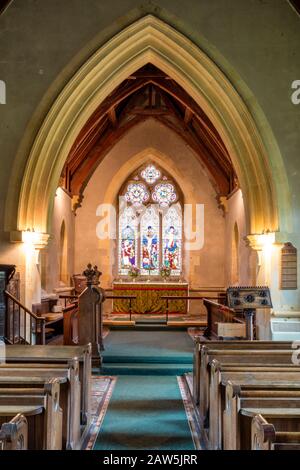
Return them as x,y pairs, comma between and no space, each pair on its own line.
32,242
265,248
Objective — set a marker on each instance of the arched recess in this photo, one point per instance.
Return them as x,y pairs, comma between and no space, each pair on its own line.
261,173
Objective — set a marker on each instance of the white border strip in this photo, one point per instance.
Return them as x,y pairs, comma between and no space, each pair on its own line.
189,413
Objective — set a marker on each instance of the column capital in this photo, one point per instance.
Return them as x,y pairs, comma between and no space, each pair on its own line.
259,241
37,239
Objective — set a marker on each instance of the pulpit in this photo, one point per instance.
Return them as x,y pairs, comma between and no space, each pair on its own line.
149,297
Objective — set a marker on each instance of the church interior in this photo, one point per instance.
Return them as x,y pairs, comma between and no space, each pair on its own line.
149,225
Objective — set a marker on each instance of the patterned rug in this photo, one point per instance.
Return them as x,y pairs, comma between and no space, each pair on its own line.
102,389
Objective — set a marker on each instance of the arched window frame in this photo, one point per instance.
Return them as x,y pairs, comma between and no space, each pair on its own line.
127,202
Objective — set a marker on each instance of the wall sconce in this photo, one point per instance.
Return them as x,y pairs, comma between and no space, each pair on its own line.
36,239
262,243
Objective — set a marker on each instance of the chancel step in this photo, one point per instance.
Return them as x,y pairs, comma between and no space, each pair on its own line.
131,368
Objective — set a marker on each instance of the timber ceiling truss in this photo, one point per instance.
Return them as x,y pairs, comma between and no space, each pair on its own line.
148,94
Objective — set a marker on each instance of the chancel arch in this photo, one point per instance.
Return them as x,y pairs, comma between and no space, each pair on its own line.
149,40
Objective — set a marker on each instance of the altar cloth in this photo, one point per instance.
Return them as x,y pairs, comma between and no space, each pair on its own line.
148,297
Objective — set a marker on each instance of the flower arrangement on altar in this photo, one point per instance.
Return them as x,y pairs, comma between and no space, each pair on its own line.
165,272
133,271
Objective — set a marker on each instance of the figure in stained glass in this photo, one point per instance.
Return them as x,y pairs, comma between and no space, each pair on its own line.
150,249
150,241
171,252
127,240
172,240
128,248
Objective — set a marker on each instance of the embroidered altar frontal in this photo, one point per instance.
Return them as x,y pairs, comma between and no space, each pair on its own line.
148,297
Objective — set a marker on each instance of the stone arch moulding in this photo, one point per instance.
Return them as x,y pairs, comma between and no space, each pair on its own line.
261,174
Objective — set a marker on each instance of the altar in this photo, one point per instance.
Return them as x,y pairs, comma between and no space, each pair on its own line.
149,297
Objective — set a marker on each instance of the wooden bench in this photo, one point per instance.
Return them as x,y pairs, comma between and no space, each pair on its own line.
263,395
224,345
14,435
59,355
29,375
265,437
264,360
238,357
41,408
267,376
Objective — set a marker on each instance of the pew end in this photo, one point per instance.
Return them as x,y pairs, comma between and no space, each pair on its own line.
265,437
14,435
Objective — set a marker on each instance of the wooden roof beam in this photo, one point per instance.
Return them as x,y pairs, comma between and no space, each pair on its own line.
187,116
113,117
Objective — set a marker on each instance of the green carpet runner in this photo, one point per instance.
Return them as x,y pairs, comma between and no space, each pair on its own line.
146,410
147,353
145,413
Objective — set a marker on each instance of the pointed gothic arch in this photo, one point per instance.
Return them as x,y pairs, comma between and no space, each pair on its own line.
254,153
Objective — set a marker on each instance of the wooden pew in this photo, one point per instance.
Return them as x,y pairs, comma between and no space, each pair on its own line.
265,437
14,435
266,397
200,342
266,377
33,375
257,357
41,408
59,355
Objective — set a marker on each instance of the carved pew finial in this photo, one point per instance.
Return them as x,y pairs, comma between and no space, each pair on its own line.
92,275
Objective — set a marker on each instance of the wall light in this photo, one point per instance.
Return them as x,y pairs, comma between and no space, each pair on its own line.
263,243
36,239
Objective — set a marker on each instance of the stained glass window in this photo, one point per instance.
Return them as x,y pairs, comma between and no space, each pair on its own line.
150,223
137,194
172,239
150,241
150,174
127,240
164,194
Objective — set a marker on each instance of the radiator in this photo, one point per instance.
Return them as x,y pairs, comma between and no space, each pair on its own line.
285,329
